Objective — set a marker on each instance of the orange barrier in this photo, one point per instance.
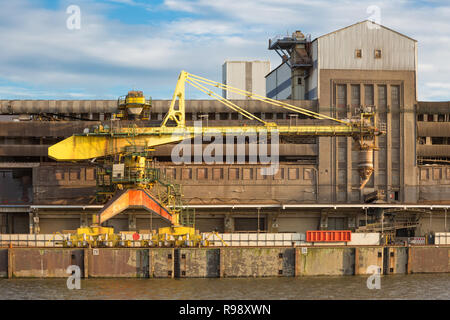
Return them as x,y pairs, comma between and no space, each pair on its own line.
329,236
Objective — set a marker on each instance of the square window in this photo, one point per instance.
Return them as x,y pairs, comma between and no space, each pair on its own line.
358,53
378,54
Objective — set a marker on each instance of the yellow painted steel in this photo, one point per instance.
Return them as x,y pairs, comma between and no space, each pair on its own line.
191,78
95,146
83,147
135,100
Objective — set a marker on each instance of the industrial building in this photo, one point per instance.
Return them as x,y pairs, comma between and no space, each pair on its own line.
245,75
361,67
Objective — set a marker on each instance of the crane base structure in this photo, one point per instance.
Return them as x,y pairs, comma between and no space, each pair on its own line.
175,235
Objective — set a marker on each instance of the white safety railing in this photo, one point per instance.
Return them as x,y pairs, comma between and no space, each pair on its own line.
255,239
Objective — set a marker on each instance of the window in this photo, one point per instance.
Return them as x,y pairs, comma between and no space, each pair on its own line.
202,173
420,117
299,81
368,95
355,90
358,53
378,54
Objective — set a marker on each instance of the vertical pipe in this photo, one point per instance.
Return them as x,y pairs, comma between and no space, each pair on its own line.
258,220
86,263
445,220
30,221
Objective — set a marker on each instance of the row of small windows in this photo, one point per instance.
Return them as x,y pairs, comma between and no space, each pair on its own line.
88,174
71,174
434,117
238,174
435,140
189,116
434,173
359,53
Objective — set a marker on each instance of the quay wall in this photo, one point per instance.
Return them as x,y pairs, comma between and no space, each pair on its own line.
223,262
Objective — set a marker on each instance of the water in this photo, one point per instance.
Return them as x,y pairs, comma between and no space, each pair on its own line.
418,286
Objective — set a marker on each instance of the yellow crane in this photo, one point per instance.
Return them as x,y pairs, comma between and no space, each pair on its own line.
130,170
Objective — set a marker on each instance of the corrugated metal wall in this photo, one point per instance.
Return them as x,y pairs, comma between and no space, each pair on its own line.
278,83
337,49
245,75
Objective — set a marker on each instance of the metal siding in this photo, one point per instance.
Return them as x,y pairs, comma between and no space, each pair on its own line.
259,71
235,73
283,74
312,80
276,88
337,50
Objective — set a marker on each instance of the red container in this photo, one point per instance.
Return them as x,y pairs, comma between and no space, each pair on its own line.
329,236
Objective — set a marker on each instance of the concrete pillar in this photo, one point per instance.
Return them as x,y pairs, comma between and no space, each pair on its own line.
84,220
30,221
351,224
272,222
324,220
33,218
132,221
388,145
229,223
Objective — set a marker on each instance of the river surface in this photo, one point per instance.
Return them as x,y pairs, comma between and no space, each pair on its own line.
418,286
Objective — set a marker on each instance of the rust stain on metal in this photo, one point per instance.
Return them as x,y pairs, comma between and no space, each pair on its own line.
429,260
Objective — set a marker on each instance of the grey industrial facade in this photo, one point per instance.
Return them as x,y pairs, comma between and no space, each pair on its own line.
317,186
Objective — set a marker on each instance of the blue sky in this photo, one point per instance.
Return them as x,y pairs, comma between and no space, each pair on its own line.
124,44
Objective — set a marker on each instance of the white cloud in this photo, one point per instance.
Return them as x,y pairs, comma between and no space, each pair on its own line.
107,56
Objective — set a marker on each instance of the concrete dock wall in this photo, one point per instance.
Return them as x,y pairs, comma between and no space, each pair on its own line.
397,260
324,261
199,263
257,262
115,263
222,262
161,263
43,263
429,260
365,257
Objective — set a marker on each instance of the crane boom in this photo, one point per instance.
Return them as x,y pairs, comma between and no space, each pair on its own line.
109,141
